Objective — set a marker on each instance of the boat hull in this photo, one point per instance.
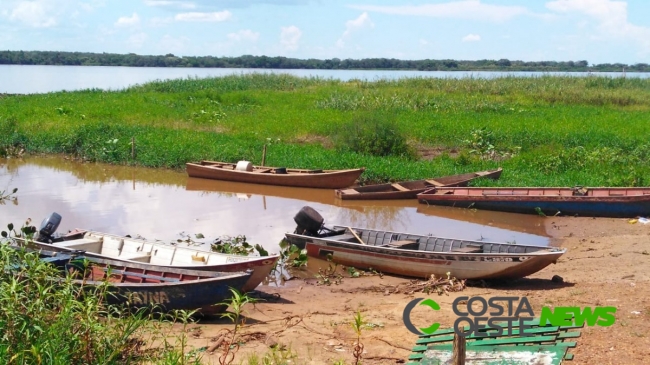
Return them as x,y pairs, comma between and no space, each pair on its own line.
323,179
432,256
410,189
260,266
156,287
605,202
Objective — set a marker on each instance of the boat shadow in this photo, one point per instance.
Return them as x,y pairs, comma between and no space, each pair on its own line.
521,284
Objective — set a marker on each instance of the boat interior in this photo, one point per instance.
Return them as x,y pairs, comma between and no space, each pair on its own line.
149,252
407,241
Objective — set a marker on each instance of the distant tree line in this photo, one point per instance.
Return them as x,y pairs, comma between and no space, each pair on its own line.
247,61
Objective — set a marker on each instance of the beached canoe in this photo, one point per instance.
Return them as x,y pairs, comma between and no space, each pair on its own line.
244,171
410,189
149,286
141,251
418,256
589,202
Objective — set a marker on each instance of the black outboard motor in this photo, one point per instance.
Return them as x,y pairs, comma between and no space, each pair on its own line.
48,227
309,222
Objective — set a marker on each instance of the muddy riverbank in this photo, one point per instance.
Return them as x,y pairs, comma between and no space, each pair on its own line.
608,264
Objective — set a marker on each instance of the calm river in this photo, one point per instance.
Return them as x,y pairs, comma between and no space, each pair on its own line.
167,205
28,79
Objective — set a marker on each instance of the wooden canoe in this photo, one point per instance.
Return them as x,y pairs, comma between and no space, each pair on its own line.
322,179
140,251
590,202
420,256
410,189
150,286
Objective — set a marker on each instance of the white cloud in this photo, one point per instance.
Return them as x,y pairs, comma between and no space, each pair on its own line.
219,16
466,9
178,4
289,37
611,19
244,35
33,13
126,21
363,21
471,38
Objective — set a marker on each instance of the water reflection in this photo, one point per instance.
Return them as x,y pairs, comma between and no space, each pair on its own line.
162,204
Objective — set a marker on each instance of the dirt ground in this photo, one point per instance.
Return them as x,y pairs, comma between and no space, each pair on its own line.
607,264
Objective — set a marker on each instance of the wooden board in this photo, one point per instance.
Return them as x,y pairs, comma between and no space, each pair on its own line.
546,345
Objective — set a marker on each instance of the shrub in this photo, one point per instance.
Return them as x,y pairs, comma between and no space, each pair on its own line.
373,134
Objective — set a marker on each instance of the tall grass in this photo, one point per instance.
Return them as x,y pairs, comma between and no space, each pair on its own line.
230,118
46,319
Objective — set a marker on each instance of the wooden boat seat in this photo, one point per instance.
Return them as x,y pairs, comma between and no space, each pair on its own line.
400,187
403,244
435,183
468,249
262,171
349,191
318,171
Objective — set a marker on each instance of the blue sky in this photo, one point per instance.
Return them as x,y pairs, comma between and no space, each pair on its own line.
599,31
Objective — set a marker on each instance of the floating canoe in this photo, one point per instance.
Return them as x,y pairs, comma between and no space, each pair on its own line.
140,285
590,202
410,189
141,251
420,256
245,172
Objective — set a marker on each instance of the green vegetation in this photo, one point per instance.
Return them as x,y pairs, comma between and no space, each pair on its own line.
553,131
170,60
49,320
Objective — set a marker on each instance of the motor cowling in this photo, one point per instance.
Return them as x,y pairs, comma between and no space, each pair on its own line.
49,225
309,221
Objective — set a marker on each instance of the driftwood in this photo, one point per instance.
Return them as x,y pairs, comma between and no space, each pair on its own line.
433,285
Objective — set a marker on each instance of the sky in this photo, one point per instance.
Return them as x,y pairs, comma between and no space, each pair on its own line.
598,31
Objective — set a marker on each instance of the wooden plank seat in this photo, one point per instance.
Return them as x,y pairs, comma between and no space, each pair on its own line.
400,187
262,171
349,191
403,244
435,183
468,249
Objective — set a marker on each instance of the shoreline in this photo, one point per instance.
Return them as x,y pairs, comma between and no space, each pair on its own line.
608,263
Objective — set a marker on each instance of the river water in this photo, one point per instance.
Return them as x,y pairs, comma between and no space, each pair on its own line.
30,79
168,205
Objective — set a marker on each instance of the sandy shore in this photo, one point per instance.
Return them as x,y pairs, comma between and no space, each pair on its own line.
608,264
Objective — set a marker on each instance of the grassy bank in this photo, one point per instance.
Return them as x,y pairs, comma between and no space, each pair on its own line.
555,131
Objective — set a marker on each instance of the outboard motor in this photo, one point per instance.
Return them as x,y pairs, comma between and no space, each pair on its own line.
309,222
48,227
